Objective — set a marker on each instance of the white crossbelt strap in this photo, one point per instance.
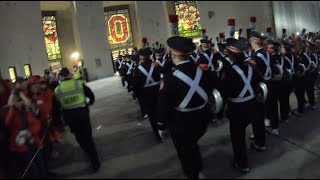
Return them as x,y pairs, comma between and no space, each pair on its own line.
267,74
291,62
247,86
246,54
161,63
130,67
149,81
195,59
309,59
209,60
228,59
282,61
316,56
222,54
194,87
151,57
120,62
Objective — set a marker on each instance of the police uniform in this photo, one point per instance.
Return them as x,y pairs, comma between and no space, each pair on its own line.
71,95
146,81
77,74
240,81
182,106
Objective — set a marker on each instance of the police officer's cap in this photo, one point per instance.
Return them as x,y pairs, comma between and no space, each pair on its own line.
144,52
181,45
256,36
64,72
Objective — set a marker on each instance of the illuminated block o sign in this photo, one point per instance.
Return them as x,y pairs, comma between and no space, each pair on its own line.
27,70
13,74
118,28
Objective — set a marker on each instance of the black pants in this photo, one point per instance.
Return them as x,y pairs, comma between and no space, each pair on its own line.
128,79
299,92
272,111
311,79
258,126
186,129
284,100
122,80
241,115
148,99
79,123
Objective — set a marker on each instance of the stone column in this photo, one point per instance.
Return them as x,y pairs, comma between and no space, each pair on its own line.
21,35
90,38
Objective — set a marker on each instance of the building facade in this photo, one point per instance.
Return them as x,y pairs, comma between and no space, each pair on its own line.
39,35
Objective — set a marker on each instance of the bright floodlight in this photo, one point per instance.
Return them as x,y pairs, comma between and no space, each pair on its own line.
261,34
75,55
298,33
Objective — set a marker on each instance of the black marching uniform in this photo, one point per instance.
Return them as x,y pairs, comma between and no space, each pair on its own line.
311,76
182,109
262,59
146,79
127,71
239,83
119,66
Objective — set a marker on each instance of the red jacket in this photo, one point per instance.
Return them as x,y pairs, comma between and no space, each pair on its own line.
46,96
13,122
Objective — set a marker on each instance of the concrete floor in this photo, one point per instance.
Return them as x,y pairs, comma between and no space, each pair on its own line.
128,150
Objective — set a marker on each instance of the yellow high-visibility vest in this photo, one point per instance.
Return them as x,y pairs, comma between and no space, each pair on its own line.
77,74
70,94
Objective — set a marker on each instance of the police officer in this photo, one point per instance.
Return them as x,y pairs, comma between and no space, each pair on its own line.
261,62
77,74
72,96
146,80
240,81
182,100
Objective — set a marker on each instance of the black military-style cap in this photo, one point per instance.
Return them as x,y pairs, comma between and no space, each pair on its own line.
144,52
287,45
221,46
237,46
254,35
312,45
181,45
230,40
246,42
205,41
272,43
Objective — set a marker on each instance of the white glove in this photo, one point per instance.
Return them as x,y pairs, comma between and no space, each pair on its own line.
162,134
23,136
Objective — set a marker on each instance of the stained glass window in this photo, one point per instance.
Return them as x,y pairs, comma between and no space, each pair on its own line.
189,18
118,27
49,25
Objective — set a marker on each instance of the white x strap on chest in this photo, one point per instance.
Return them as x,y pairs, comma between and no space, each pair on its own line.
120,64
309,59
291,62
130,67
161,63
267,74
209,60
194,88
247,86
316,56
148,75
282,61
195,59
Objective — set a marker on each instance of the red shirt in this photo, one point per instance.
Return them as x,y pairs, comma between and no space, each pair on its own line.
13,122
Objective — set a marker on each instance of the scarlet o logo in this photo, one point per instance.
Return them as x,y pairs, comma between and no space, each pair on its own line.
118,28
